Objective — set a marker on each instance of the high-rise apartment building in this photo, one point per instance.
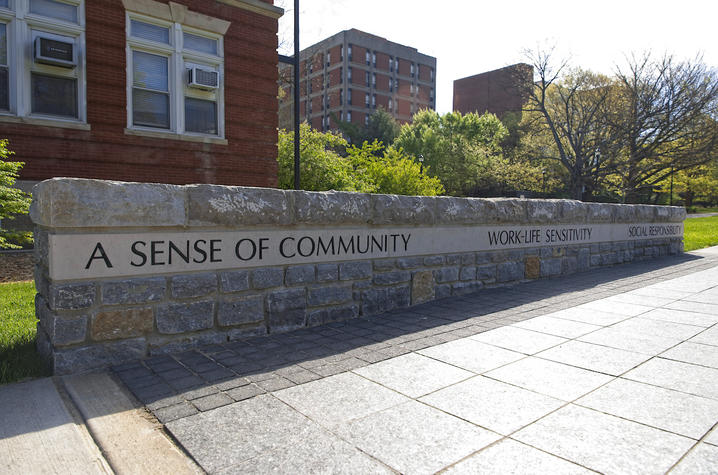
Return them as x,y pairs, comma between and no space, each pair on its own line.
500,91
349,75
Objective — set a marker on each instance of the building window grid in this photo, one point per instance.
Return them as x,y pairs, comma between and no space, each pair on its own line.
36,90
190,110
349,51
368,58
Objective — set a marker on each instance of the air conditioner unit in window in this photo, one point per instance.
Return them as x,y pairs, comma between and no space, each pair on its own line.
54,52
203,79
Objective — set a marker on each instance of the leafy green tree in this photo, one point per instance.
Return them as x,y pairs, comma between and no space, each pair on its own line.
12,200
328,162
381,127
457,148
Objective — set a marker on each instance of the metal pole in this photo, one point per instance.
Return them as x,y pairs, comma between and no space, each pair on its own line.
297,182
671,184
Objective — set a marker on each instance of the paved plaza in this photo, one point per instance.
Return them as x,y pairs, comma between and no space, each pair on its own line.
612,371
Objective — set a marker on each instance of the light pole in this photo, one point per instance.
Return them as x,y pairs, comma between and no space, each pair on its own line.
421,163
543,174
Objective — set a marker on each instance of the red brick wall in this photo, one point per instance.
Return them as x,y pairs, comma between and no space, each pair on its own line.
404,67
382,61
382,82
335,76
335,54
105,151
424,72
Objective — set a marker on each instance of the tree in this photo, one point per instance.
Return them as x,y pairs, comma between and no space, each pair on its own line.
381,127
570,107
697,185
12,200
462,150
328,162
667,122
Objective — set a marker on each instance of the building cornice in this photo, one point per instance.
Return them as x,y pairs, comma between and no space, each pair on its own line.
256,6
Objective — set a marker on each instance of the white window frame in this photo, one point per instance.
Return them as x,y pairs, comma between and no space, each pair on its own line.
22,27
179,60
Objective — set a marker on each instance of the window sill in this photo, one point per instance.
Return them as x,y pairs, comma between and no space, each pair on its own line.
65,124
172,136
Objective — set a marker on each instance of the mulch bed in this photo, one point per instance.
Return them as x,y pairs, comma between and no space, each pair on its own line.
16,266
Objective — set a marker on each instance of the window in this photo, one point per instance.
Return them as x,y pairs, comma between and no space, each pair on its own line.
412,69
373,58
368,58
366,78
175,82
349,116
366,99
341,97
351,58
391,64
373,79
366,119
349,74
431,74
341,52
373,101
329,58
391,104
349,96
42,65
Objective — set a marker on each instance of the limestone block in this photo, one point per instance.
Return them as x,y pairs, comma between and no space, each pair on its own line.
451,210
331,207
399,297
327,272
409,262
550,267
569,265
453,259
265,278
78,202
100,355
600,212
486,272
465,288
336,314
384,264
446,274
543,211
234,281
237,206
295,275
468,259
532,267
133,291
442,291
595,260
374,301
399,209
193,285
331,295
628,214
509,271
510,210
422,287
286,309
467,273
60,331
644,213
355,270
121,324
434,260
677,214
240,311
391,278
71,296
176,318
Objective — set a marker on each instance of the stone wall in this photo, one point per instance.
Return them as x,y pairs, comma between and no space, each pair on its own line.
88,322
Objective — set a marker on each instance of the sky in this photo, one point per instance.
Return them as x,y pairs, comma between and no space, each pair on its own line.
469,37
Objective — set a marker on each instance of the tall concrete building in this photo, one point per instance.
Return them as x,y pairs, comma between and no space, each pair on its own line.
349,75
500,91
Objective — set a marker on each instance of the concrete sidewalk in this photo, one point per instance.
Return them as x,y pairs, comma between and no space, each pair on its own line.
613,371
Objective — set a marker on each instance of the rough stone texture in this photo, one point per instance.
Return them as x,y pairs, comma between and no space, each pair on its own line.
98,356
231,205
392,209
550,267
532,267
391,278
354,270
331,207
509,271
235,281
409,262
240,311
327,272
121,324
446,274
176,318
133,291
434,260
467,273
195,285
336,314
296,275
77,202
422,287
286,309
266,278
332,295
451,210
71,296
61,331
486,272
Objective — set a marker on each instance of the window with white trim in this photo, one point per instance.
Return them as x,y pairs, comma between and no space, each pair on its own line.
175,77
42,59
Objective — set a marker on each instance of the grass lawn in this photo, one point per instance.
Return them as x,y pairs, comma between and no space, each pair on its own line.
700,232
18,358
702,210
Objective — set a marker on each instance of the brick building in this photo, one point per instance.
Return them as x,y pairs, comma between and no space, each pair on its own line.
350,74
141,90
498,91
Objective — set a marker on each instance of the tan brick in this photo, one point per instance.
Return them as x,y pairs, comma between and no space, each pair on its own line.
533,267
120,324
